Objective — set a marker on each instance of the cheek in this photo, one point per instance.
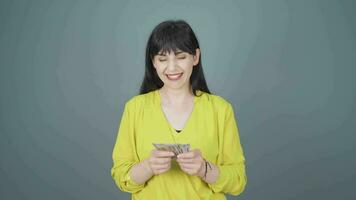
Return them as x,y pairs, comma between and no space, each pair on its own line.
159,67
187,66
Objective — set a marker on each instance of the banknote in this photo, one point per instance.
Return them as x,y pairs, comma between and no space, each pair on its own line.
175,148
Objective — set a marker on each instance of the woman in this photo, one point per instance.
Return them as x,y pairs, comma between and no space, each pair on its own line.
175,106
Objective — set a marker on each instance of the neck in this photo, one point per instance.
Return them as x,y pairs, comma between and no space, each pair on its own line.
176,96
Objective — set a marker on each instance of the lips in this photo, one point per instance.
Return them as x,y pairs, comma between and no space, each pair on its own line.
174,77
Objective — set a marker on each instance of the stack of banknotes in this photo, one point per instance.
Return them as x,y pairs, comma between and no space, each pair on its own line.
175,148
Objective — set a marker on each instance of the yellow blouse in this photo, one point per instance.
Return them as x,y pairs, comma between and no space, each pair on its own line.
211,128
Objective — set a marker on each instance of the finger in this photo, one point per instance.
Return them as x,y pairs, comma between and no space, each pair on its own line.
189,171
161,167
190,154
161,171
186,155
186,160
161,160
162,154
189,166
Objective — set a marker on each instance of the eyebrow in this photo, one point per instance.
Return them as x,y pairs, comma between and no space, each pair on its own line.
176,53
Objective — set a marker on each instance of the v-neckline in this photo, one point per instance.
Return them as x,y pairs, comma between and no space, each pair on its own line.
186,124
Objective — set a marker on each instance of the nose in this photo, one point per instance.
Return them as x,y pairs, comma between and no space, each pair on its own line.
172,64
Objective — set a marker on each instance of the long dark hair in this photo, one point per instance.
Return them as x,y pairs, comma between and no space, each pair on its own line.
172,35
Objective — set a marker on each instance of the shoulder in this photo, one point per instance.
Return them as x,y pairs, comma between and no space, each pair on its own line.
141,101
221,108
218,102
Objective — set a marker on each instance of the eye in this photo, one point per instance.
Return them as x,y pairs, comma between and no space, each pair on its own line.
183,57
162,60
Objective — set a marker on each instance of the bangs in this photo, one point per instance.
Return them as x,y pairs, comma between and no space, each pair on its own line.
171,39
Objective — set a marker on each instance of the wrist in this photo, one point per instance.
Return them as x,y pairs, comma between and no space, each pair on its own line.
146,166
202,171
141,172
214,173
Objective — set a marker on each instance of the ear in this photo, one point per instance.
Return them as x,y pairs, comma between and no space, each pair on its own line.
196,56
153,63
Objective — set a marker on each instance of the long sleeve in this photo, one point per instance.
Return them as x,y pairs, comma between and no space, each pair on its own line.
124,153
231,161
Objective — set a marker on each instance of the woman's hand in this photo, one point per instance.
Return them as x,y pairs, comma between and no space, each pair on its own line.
159,161
192,163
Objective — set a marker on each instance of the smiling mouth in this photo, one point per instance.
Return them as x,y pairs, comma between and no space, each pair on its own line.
174,77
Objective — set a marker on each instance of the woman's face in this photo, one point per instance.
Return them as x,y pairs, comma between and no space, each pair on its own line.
175,68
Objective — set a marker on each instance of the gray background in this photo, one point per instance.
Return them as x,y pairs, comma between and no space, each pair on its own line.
67,68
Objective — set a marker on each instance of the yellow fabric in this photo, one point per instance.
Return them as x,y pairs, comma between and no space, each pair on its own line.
211,127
